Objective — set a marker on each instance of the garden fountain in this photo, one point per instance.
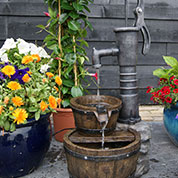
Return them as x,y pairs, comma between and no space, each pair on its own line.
95,149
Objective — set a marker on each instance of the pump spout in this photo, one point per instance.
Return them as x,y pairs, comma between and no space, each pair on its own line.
97,54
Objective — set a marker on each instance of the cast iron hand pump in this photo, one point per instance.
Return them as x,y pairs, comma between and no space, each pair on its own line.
127,52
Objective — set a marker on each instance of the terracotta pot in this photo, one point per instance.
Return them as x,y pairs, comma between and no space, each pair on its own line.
63,119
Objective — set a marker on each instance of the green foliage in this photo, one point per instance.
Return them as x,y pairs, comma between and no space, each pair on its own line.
167,91
74,22
166,73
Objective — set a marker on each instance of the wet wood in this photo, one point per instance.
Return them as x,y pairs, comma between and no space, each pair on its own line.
84,111
116,136
117,162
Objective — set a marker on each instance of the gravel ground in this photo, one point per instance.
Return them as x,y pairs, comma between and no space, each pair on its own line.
163,158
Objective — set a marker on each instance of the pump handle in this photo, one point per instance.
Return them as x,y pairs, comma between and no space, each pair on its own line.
140,23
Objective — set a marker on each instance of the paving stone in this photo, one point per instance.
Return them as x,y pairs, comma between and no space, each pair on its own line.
150,107
147,118
156,113
144,113
157,118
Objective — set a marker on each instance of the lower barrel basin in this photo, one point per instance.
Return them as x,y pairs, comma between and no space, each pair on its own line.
89,160
85,108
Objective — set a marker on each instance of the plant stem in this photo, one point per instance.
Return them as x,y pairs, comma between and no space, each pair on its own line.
60,47
75,65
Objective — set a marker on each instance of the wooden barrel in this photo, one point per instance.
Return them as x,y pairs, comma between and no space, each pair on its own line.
85,107
88,160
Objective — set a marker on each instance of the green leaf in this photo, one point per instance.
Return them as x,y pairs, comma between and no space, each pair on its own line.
64,90
41,26
76,91
67,72
71,58
86,8
12,127
65,103
74,25
7,125
63,18
65,37
171,61
81,59
74,15
32,99
68,82
66,6
52,12
161,73
32,109
77,6
37,115
84,33
83,42
53,47
50,43
89,25
1,123
48,38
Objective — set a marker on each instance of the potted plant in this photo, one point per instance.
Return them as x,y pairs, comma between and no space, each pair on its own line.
167,94
67,28
27,97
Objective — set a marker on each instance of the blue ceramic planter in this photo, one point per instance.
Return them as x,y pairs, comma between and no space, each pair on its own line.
22,151
171,123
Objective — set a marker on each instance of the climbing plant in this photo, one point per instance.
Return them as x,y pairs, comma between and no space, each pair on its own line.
67,29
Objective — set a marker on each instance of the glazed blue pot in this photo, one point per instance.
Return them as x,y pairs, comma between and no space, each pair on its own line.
22,150
171,123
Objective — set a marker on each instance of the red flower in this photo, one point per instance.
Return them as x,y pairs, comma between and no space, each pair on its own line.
149,89
162,80
173,86
166,90
57,58
176,81
168,100
94,75
171,78
47,14
175,90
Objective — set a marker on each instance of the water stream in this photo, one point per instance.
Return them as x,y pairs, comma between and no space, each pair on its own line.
98,82
104,118
102,131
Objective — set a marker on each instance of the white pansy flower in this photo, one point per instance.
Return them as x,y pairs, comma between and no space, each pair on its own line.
44,68
42,53
19,40
23,46
33,48
4,58
9,44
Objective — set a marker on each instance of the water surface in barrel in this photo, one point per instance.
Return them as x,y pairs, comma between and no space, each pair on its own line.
107,145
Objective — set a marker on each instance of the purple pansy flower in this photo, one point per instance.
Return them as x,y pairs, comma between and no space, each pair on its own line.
19,75
2,76
176,116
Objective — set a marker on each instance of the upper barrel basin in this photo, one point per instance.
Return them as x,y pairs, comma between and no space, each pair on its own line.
91,110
